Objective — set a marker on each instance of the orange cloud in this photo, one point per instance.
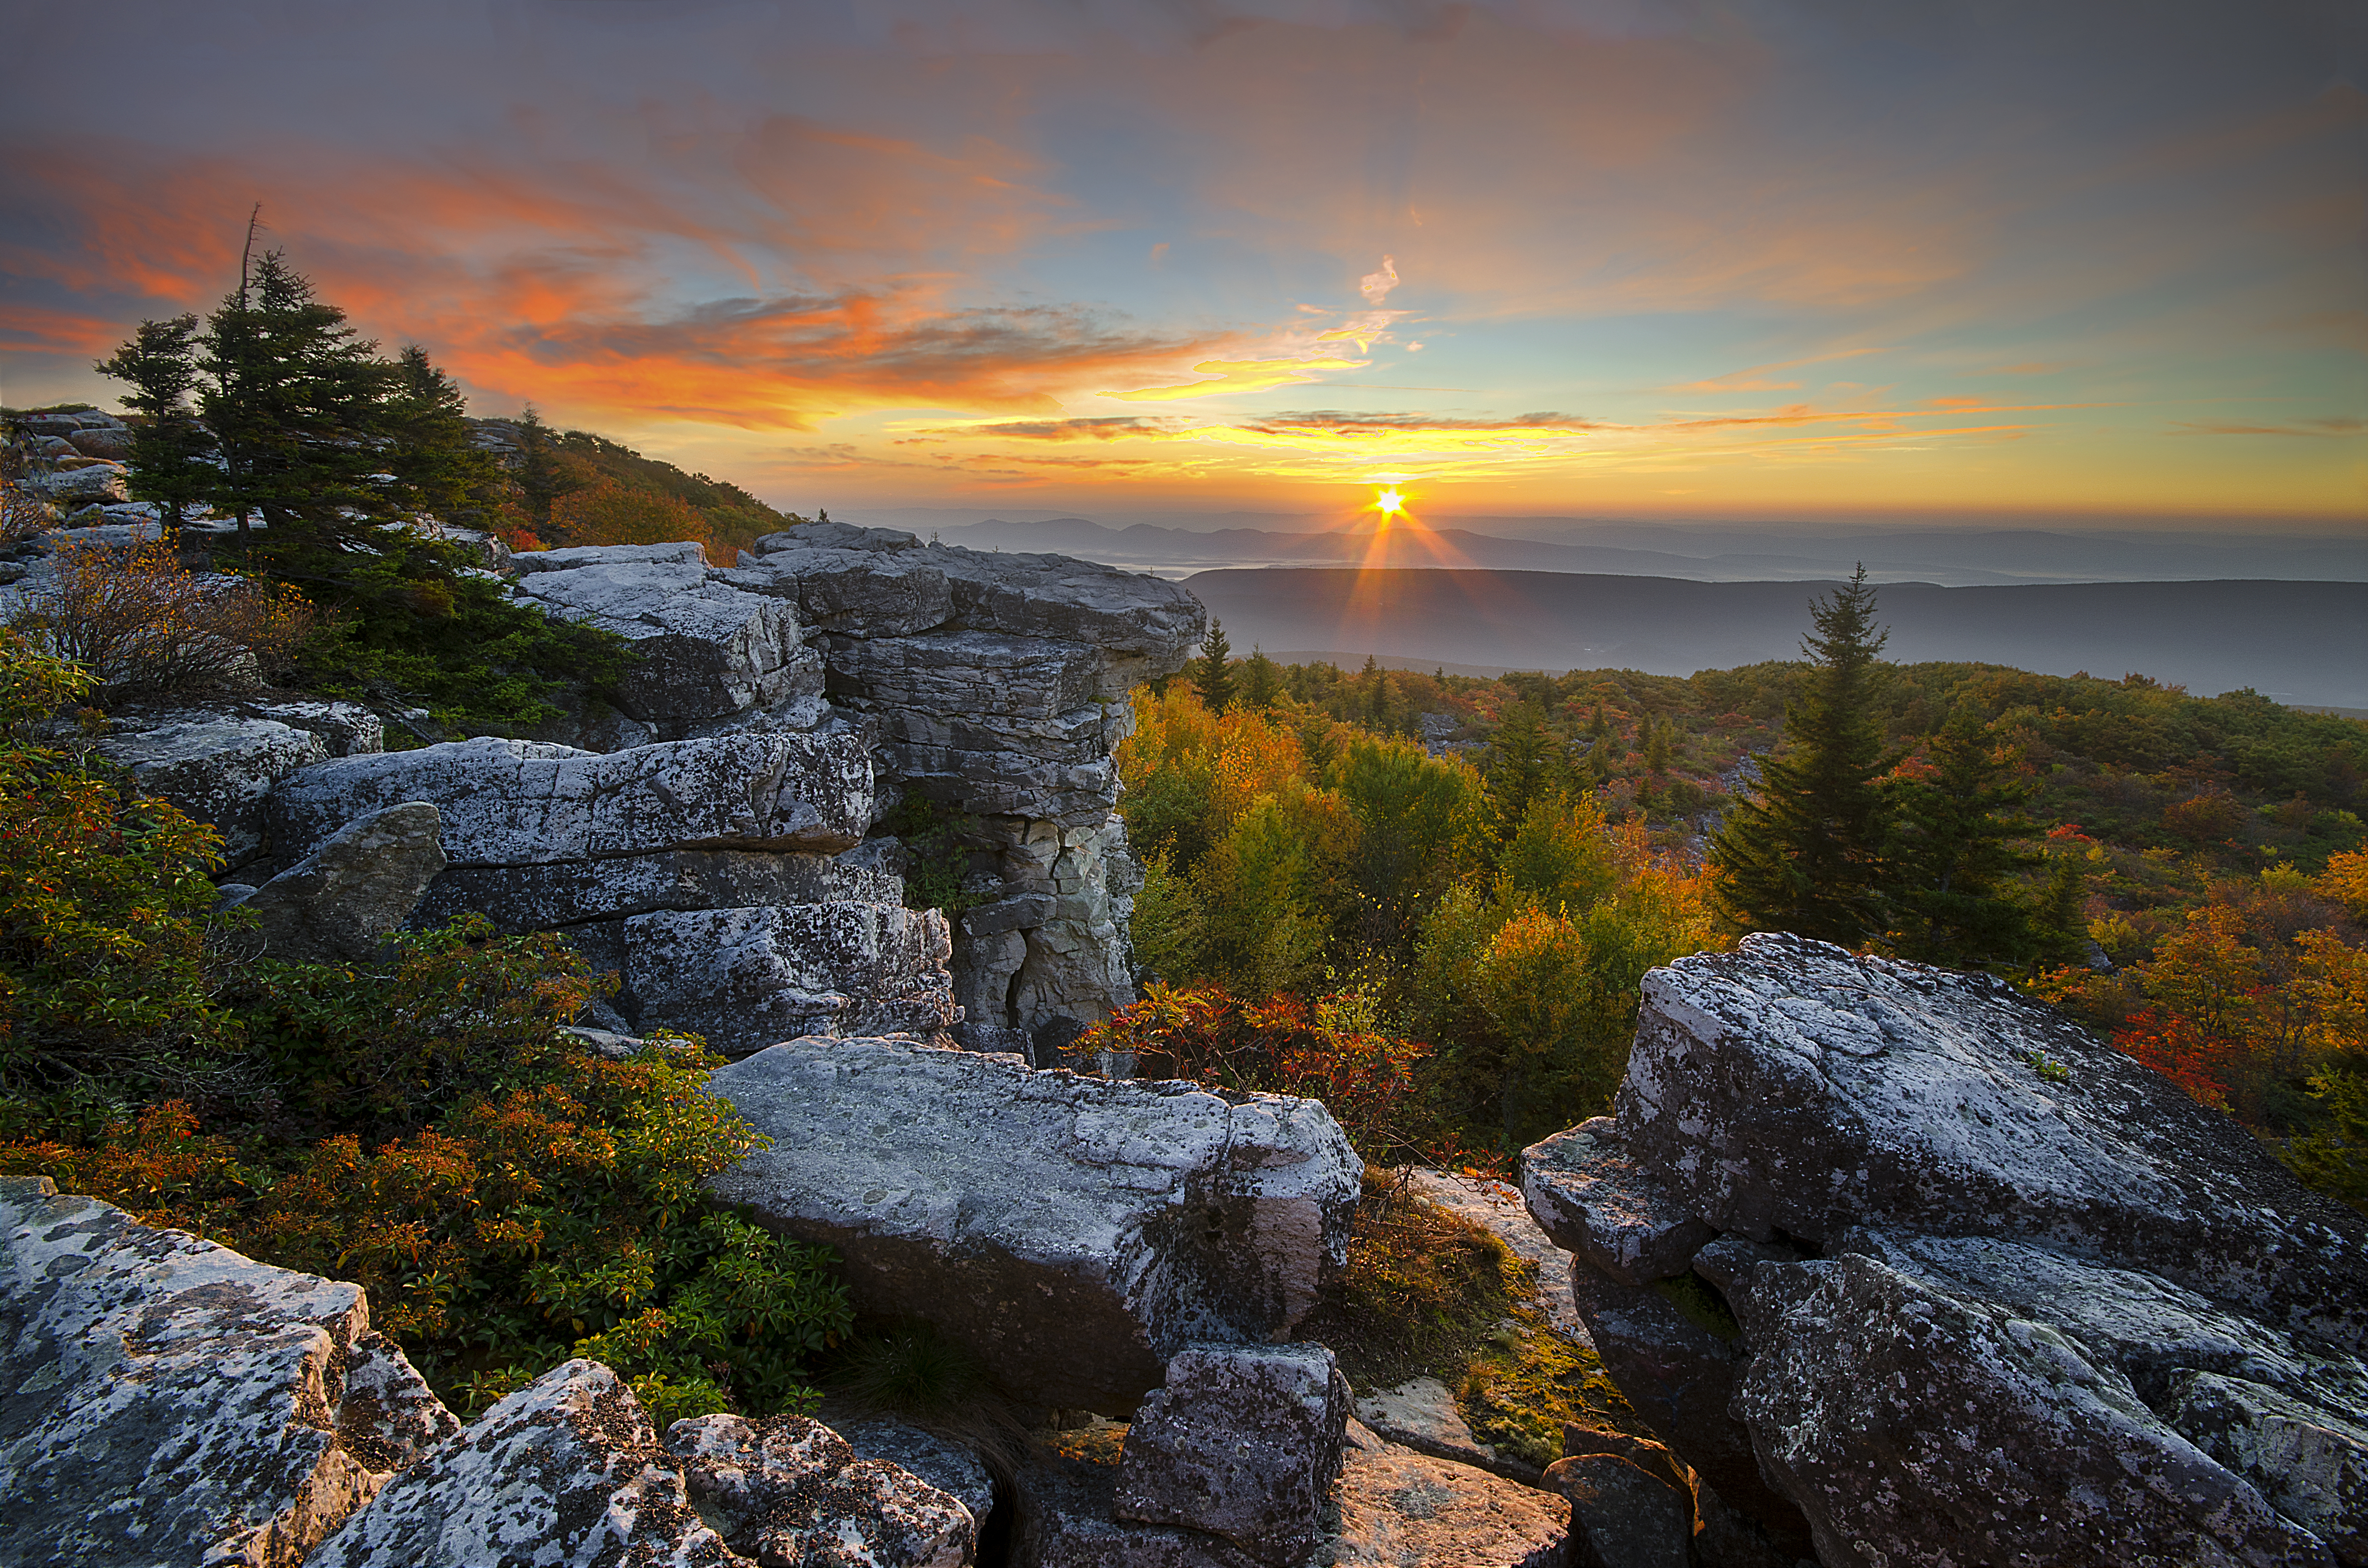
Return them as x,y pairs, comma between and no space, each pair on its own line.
1240,376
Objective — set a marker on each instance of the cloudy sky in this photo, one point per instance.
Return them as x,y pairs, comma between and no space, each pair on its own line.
1715,259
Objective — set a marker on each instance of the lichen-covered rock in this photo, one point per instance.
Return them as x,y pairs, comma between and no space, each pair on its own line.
566,1470
748,978
1075,1232
1622,1515
340,904
950,1467
96,483
1593,1199
569,893
709,657
348,729
170,1401
218,767
1792,1087
507,802
787,1489
1396,1508
1241,1441
1067,1522
1944,1430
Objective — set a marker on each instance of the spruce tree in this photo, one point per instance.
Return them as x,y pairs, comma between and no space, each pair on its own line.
1520,763
1805,852
294,400
543,476
1951,863
1261,681
1210,677
430,448
169,446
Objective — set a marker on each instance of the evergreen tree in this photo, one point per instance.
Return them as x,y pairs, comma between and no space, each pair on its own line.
1211,677
294,400
1374,685
437,467
1519,762
1657,744
1805,853
1950,865
1261,680
542,475
169,447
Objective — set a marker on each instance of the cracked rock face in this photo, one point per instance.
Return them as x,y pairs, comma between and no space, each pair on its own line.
1891,1254
1076,1233
342,902
169,1400
750,978
219,767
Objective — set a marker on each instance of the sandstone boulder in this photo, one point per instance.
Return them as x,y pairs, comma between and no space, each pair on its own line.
341,903
1075,1232
97,483
707,656
569,893
171,1401
526,802
787,1489
950,1467
1241,1441
1396,1508
566,1470
753,977
348,729
218,768
1790,1086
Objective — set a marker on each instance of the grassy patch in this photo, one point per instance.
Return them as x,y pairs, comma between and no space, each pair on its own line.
1424,1290
1526,1382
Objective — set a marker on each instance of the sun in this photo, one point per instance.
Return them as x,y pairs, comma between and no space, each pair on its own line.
1389,502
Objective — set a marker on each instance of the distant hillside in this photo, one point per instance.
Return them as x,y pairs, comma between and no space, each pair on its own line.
2298,643
618,496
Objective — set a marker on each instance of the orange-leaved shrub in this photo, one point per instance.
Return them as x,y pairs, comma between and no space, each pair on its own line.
145,626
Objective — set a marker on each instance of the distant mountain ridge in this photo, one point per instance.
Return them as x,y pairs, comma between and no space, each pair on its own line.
2297,643
1957,557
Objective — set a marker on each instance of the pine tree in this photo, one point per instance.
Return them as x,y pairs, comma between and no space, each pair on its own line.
1805,853
1375,684
169,447
1210,677
1950,862
1261,680
437,466
542,475
294,400
1519,762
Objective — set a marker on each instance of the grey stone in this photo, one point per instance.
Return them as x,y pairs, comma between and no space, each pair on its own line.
1621,1517
1074,1232
569,892
790,1491
342,902
524,802
2312,1467
218,768
707,654
171,1401
1065,1510
1395,1508
348,729
1590,1197
110,441
97,481
1499,1208
1421,1414
1939,1429
1790,1086
1241,1441
750,978
566,1470
1651,1457
952,1468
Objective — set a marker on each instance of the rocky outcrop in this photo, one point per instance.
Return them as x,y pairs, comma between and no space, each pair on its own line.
220,769
1905,1265
999,684
787,1489
566,1470
340,904
1394,1508
1076,1233
746,978
171,1401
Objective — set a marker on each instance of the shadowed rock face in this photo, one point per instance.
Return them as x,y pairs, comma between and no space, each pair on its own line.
1075,1232
1958,1282
169,1400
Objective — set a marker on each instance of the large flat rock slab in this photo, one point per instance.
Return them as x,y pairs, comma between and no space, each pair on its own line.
507,802
168,1401
1792,1087
1076,1233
